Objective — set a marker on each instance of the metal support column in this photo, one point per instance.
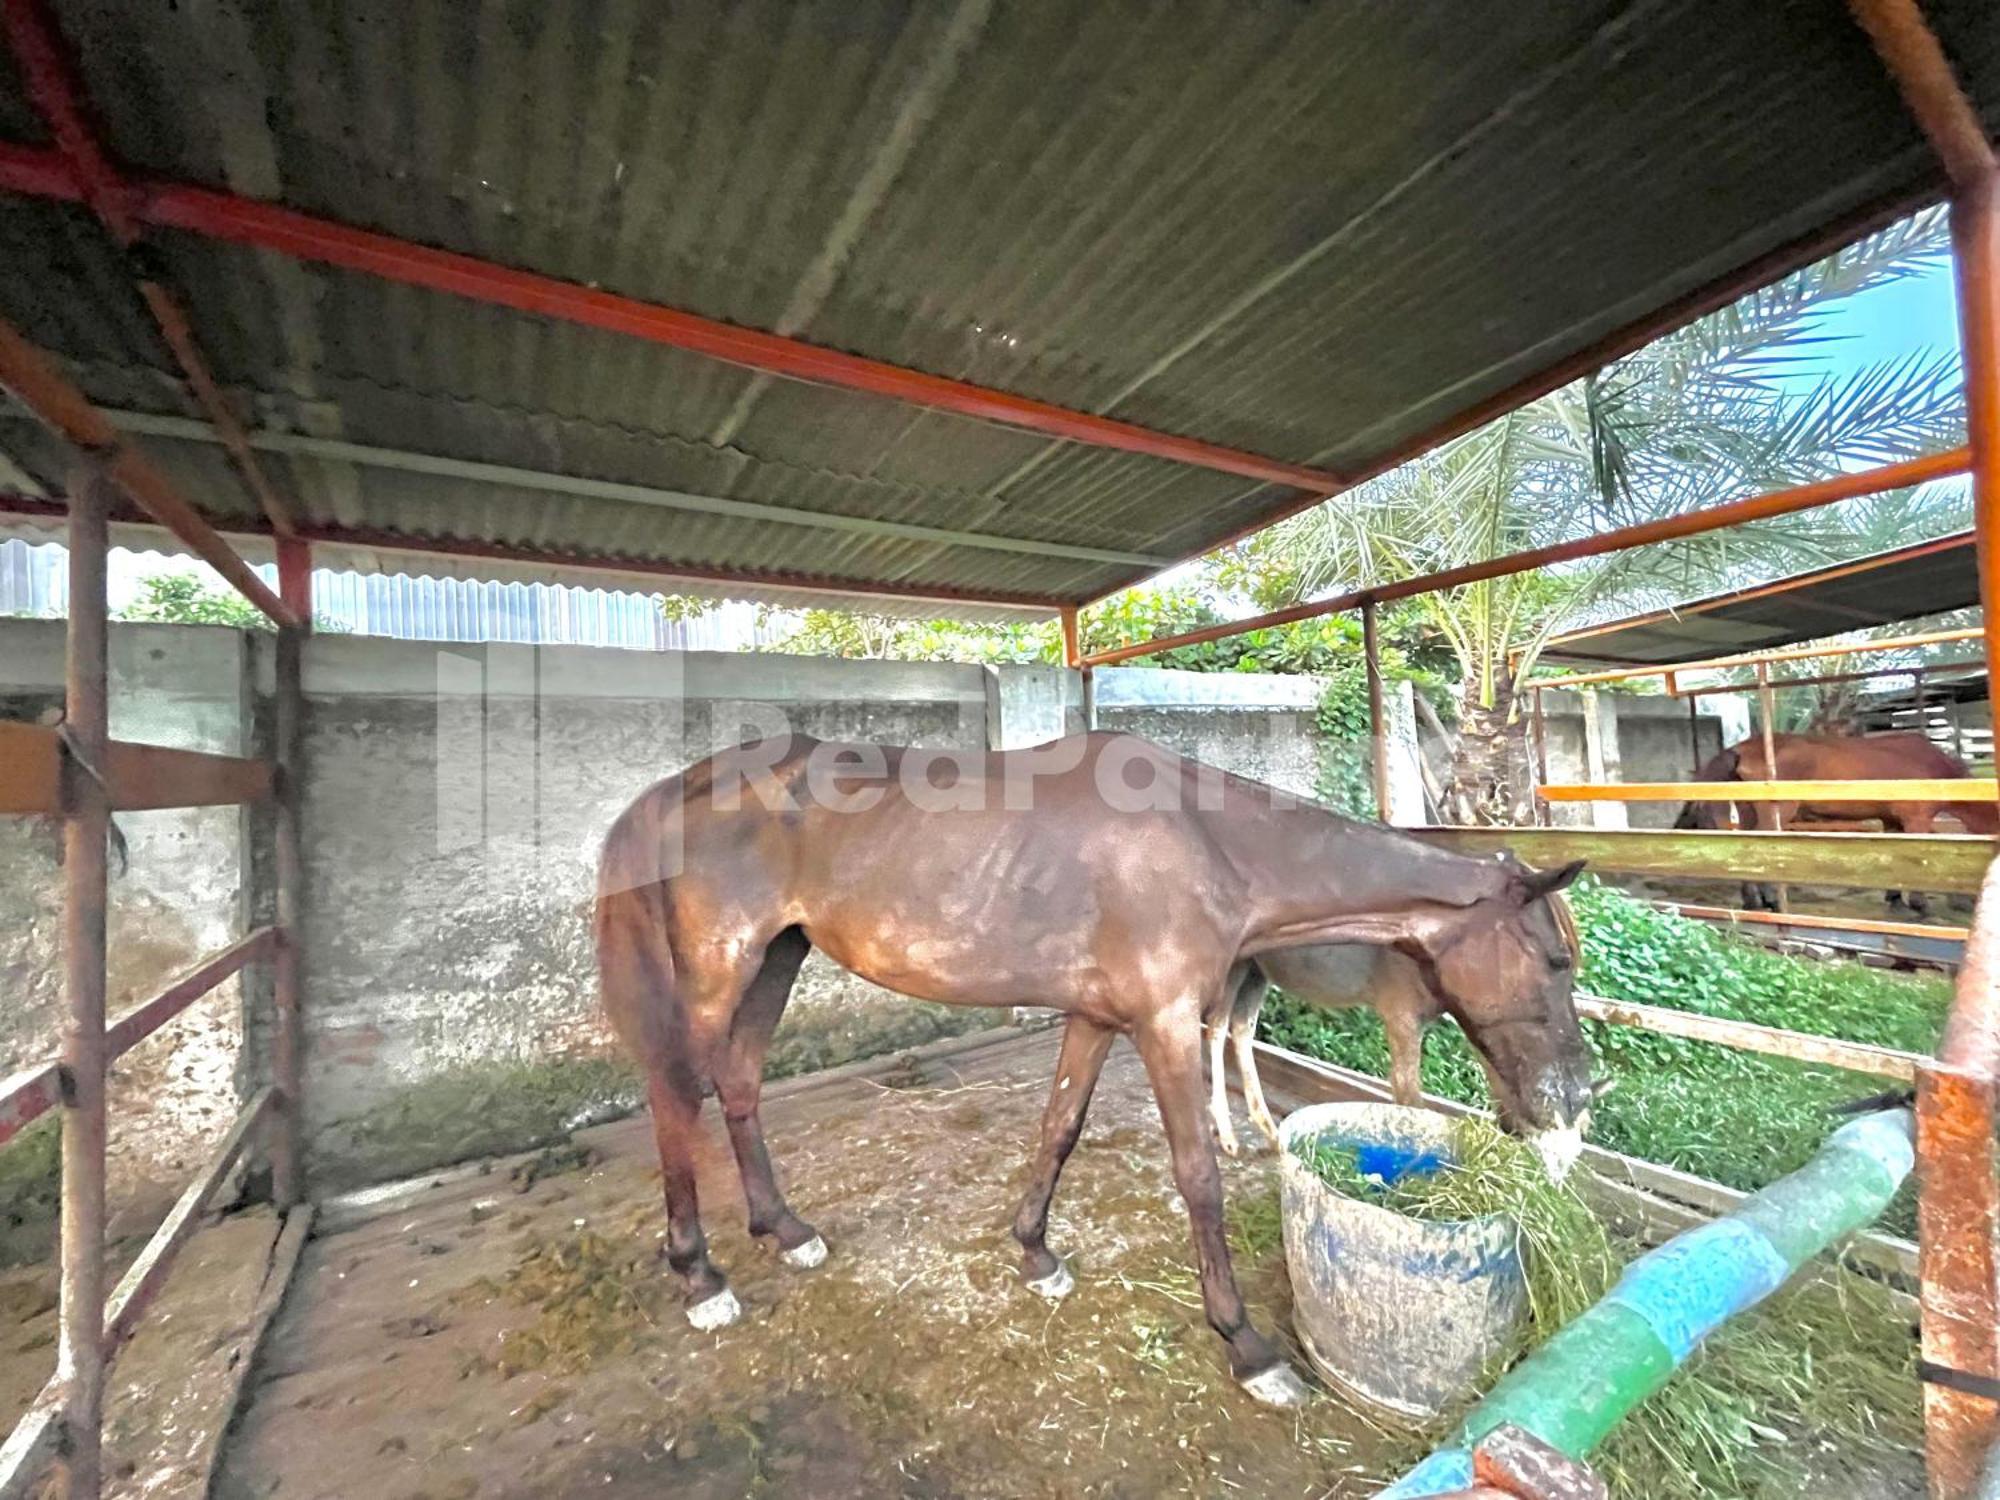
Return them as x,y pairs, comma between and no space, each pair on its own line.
86,730
1958,1208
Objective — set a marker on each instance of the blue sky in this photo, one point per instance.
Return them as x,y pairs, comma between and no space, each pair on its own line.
1887,322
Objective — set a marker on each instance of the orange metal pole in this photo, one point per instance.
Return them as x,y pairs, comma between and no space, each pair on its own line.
1914,57
1071,636
1671,528
1958,1203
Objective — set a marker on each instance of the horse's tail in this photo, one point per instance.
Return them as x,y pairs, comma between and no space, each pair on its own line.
635,955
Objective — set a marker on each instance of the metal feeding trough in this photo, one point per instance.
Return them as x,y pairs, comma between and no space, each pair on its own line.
1401,1312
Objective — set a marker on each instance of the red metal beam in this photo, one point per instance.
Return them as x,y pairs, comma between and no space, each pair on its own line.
375,539
265,226
58,99
38,47
37,384
1646,533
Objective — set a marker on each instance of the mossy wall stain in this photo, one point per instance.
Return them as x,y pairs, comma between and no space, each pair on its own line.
497,1108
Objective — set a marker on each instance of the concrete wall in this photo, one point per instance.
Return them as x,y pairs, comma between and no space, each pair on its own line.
456,801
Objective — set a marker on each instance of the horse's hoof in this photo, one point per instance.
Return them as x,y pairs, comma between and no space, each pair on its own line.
1278,1386
715,1312
807,1257
1229,1146
1055,1286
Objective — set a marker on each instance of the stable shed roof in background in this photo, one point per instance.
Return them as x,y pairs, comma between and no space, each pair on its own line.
1320,233
1908,583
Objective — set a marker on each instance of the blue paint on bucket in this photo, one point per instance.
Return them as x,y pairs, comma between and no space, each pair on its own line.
1392,1161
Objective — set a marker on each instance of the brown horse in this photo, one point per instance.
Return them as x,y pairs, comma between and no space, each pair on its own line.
1348,977
1803,757
1100,875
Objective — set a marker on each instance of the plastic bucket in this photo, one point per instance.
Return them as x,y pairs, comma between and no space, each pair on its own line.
1403,1313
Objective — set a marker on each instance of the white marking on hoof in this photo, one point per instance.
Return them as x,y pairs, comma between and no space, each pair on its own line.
715,1312
1229,1145
1278,1386
1055,1286
806,1257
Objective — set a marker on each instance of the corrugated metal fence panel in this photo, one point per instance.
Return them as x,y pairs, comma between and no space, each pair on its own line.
34,582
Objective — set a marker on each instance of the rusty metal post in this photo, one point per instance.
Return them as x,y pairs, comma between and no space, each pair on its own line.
295,576
1975,234
287,1043
1378,720
1958,1205
86,729
1958,1215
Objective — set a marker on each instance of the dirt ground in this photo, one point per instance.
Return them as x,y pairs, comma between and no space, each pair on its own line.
512,1334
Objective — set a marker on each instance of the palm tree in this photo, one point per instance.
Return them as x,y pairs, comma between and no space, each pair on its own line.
1699,417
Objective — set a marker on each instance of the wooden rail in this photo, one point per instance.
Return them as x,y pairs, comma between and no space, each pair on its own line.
1925,930
1748,1036
1908,789
1953,862
146,1275
35,761
28,1093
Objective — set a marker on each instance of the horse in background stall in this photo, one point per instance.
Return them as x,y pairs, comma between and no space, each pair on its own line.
1100,875
1805,757
1347,977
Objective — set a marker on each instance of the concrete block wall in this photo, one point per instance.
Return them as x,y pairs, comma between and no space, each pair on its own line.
456,800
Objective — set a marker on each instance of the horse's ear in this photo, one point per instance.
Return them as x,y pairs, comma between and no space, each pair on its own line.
1532,885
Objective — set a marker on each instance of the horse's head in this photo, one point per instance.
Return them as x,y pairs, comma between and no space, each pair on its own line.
1505,967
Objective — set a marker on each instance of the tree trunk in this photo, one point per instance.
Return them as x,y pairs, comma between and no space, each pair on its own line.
1489,780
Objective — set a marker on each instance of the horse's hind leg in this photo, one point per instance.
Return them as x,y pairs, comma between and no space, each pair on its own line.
1171,1045
674,1090
739,1083
1084,1046
678,1063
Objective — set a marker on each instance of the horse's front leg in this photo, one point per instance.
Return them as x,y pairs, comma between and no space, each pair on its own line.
1170,1043
1084,1046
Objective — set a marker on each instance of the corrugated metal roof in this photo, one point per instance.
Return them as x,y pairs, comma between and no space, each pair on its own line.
1310,231
1908,583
